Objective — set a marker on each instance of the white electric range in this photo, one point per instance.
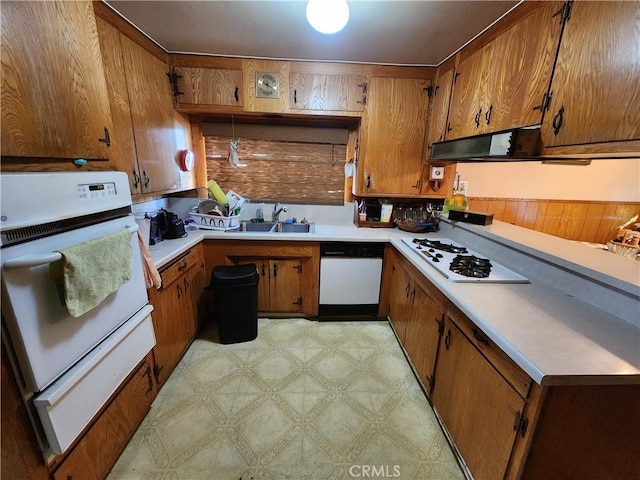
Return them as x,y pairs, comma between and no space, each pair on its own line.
458,263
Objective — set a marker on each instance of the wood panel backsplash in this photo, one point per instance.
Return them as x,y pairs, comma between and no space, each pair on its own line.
586,221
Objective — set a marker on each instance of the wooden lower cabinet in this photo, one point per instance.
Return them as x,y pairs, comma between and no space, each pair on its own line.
97,452
176,310
416,312
501,424
476,405
279,287
289,272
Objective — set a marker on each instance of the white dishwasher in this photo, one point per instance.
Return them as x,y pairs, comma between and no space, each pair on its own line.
350,274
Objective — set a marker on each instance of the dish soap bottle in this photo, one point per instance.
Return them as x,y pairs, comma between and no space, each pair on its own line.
260,213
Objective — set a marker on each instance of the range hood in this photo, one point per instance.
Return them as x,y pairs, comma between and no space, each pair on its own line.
517,144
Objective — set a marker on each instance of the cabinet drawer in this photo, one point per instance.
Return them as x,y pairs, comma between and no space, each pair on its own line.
512,373
179,266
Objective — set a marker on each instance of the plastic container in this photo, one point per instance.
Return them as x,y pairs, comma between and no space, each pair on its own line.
235,294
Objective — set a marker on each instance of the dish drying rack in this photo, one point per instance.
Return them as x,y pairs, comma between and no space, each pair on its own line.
204,221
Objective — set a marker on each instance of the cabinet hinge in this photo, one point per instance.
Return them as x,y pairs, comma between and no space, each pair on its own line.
431,381
432,90
299,268
520,424
107,138
565,12
298,302
546,101
440,325
173,80
156,371
364,87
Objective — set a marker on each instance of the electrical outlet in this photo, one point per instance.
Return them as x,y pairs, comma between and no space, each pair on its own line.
463,187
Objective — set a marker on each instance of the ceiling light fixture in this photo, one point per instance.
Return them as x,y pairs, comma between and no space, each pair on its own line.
328,16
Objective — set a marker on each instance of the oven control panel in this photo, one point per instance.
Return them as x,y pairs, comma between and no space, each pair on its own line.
96,191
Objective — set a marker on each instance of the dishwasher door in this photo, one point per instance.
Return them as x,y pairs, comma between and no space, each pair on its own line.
350,275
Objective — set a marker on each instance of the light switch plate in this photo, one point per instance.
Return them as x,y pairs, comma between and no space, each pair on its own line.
437,173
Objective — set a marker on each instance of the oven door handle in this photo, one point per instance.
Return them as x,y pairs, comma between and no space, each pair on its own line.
30,261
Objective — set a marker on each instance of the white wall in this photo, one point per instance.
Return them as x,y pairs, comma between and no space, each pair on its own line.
603,180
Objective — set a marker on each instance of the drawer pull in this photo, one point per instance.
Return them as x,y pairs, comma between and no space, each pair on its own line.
182,267
480,337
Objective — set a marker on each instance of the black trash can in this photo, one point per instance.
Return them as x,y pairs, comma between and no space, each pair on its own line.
235,294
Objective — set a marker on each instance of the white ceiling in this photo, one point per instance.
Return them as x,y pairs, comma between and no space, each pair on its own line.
397,32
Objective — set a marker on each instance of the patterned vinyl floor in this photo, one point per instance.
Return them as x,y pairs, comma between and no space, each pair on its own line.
304,401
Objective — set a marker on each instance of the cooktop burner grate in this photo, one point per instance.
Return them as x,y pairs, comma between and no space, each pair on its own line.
471,266
438,245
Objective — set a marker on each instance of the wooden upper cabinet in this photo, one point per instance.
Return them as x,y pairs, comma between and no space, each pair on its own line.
440,107
502,85
278,68
54,95
596,84
523,62
392,137
469,96
209,86
327,93
124,157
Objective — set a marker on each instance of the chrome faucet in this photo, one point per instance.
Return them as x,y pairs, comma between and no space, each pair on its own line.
277,210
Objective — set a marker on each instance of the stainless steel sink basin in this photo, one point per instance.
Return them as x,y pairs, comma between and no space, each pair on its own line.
257,227
280,227
295,227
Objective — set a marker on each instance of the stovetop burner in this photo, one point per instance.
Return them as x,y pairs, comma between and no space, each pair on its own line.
471,266
460,264
438,245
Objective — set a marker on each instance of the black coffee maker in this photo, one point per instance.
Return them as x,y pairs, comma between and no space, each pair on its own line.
165,226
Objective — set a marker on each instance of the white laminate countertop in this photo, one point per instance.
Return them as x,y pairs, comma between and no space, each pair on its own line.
554,337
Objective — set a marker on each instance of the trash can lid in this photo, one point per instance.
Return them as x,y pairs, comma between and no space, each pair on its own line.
235,275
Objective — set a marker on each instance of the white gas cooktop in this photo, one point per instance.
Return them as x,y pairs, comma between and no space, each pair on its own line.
434,251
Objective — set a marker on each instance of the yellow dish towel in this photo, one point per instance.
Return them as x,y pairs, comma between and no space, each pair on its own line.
92,270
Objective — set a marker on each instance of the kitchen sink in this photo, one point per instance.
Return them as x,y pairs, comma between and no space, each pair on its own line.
279,227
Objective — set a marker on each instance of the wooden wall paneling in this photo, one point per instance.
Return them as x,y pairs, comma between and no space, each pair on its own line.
573,219
585,221
590,227
530,215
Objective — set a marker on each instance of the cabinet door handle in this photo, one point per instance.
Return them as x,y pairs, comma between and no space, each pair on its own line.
449,127
107,138
275,269
264,270
487,116
368,182
235,95
557,121
156,371
295,96
147,180
477,118
406,290
413,296
136,179
186,285
179,290
480,337
447,340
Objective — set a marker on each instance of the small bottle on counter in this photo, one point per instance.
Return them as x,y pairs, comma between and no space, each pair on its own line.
260,213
